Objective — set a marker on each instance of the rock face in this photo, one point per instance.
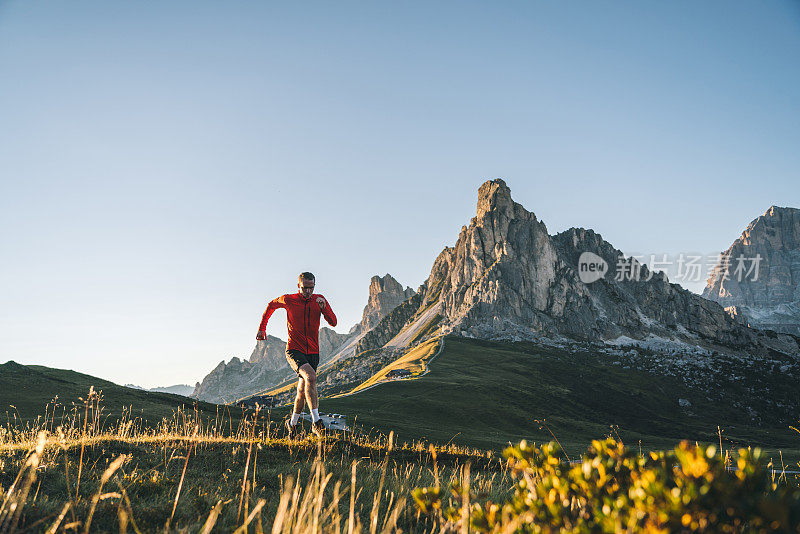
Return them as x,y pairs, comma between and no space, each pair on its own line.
503,266
329,342
758,277
389,326
237,378
507,278
270,353
385,294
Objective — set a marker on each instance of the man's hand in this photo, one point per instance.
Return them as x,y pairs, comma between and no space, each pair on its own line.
321,302
261,335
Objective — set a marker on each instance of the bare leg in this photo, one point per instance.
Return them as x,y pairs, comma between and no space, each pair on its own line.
300,400
309,377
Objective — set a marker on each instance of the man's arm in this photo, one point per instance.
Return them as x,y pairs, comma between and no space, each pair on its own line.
273,305
327,312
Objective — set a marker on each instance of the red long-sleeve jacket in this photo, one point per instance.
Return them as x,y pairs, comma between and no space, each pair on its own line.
302,320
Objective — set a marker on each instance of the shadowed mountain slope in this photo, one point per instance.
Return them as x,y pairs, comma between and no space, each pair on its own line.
25,390
485,394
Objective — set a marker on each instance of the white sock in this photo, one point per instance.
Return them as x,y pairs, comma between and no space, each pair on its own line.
315,415
295,419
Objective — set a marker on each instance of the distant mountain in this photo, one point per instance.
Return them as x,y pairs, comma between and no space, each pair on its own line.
184,390
270,352
758,277
385,295
178,389
237,378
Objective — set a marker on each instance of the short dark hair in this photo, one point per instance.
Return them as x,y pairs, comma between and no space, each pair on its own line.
305,276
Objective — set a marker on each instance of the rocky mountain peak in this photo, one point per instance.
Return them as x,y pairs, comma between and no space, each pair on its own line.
495,195
778,225
758,277
503,262
381,284
498,221
779,210
385,294
506,277
269,352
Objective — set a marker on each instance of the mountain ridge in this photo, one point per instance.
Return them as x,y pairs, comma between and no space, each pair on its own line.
507,278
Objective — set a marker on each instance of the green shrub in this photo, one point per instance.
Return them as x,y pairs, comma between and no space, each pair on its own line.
614,489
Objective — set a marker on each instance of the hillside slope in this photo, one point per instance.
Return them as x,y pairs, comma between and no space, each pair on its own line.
485,394
25,390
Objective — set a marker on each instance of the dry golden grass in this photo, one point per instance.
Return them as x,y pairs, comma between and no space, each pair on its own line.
78,473
82,472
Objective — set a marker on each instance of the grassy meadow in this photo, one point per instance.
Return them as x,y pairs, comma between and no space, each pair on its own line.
487,395
220,474
78,454
192,474
25,390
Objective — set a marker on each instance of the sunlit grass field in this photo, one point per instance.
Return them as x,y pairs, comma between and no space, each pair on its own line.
197,474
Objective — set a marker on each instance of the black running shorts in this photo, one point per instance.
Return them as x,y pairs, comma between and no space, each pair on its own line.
296,360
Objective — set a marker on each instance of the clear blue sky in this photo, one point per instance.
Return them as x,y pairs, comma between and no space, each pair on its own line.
167,167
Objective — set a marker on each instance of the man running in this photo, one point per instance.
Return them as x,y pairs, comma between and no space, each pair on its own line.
303,310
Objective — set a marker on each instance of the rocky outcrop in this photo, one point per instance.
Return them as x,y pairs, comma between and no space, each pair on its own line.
506,277
329,342
647,303
385,294
239,378
758,277
502,267
389,326
270,353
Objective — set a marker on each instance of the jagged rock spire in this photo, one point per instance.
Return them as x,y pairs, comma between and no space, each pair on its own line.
385,294
495,195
